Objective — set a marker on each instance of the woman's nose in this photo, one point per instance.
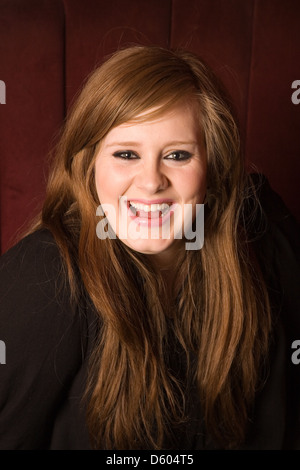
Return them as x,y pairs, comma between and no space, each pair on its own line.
151,178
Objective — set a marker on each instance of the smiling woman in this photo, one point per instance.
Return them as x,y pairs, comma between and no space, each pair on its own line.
156,167
130,340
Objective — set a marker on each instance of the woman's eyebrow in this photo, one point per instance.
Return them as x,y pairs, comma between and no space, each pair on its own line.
134,143
182,142
124,144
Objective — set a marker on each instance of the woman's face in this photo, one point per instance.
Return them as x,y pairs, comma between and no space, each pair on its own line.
146,172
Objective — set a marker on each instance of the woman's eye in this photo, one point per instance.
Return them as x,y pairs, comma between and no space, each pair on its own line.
179,155
125,155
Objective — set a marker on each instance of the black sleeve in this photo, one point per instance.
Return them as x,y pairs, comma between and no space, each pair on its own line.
279,254
42,334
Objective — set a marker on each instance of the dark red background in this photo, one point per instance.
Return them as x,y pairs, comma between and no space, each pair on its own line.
47,47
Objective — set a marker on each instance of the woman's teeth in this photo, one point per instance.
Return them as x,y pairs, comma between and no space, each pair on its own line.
149,209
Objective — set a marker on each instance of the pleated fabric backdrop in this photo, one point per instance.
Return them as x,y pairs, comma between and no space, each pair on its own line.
48,47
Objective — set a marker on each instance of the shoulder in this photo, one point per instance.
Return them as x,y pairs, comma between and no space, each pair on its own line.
47,339
275,236
32,273
269,221
274,209
35,299
36,253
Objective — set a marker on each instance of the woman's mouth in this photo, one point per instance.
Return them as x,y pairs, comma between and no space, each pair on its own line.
149,211
153,214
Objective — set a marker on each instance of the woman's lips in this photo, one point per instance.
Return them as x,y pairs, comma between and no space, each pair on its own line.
151,214
151,201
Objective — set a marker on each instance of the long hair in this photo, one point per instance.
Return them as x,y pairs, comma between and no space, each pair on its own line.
220,322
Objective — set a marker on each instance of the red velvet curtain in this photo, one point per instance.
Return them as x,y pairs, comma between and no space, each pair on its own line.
47,47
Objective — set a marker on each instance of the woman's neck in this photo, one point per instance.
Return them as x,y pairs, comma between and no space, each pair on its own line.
167,264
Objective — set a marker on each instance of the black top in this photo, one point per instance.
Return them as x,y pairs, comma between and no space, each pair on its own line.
48,339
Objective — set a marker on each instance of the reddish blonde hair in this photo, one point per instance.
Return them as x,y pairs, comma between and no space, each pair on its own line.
222,318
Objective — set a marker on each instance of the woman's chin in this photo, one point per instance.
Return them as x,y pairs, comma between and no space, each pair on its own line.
155,247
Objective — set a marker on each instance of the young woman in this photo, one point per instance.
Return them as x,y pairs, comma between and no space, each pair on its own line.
121,332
